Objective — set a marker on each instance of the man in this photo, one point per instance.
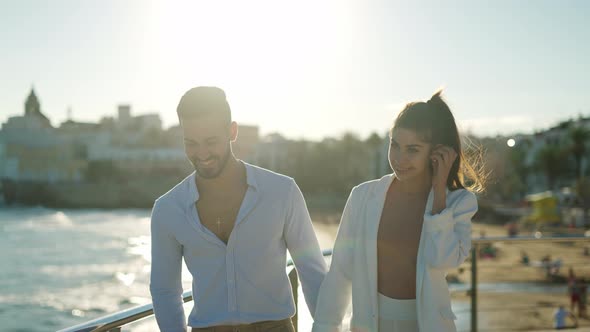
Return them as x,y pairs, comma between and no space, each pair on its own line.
232,222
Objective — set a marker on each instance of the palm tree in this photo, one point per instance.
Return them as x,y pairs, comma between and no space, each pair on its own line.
375,144
579,136
582,188
550,160
517,157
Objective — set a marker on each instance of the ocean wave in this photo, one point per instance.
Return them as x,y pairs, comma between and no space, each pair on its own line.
126,278
47,220
140,246
80,271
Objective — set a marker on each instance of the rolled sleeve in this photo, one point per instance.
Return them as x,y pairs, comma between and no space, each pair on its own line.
165,276
449,232
438,222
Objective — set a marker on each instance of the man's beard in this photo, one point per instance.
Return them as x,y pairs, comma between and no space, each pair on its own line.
211,173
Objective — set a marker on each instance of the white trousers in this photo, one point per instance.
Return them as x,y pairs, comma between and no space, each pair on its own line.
397,315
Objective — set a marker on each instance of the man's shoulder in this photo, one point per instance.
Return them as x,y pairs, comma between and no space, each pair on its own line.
178,193
267,178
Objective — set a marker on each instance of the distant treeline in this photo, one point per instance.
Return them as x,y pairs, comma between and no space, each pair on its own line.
325,171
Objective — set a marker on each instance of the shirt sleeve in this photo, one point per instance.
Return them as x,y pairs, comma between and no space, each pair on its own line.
448,233
165,278
304,247
335,293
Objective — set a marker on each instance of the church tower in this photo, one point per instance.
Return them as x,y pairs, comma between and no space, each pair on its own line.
32,106
33,109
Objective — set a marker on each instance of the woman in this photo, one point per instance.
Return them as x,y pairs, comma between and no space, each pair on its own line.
399,234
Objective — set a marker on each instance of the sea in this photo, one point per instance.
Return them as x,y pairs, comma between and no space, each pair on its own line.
60,268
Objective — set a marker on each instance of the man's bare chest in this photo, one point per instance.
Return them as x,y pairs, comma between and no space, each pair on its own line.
219,213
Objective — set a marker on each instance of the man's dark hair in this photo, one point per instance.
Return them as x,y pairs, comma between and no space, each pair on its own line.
204,101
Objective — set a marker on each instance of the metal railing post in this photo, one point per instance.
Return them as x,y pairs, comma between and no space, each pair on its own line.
474,253
294,286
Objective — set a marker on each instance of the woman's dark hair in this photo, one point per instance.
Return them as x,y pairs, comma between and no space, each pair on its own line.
435,124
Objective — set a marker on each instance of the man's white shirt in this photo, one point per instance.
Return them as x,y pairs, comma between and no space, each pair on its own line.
244,281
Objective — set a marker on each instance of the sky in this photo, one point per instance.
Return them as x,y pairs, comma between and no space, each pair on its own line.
306,69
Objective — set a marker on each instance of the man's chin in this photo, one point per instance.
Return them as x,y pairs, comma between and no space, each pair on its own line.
207,173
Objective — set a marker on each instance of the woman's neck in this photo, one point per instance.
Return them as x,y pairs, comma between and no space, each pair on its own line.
416,185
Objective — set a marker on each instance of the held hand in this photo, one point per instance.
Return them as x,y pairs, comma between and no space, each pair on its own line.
442,158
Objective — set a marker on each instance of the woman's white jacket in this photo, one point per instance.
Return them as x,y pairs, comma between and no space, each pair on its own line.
445,242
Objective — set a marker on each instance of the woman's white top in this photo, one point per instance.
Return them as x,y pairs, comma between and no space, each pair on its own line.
445,242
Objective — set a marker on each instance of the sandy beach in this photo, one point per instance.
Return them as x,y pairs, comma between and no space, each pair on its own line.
512,296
